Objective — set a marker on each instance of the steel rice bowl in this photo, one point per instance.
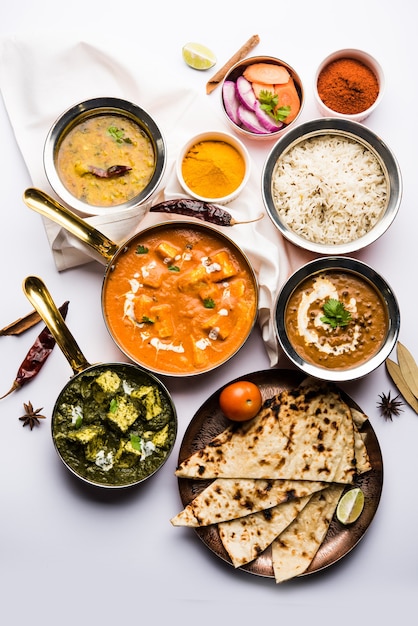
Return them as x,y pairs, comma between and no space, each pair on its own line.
86,111
358,270
336,128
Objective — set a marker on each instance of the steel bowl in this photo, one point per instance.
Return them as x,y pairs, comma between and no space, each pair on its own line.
348,266
236,71
94,108
337,128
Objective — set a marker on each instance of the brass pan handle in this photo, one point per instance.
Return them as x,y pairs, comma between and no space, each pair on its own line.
41,300
47,206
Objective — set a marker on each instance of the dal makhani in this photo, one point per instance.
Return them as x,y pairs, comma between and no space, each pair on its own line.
336,342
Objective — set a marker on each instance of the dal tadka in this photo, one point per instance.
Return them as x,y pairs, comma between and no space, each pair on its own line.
315,430
105,160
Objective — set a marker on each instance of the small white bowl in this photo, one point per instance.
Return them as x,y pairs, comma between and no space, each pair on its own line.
214,136
368,60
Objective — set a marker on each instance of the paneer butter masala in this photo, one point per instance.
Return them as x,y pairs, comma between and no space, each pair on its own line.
180,299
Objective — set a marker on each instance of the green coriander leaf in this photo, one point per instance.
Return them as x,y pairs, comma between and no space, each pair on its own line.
142,249
113,405
173,268
118,135
136,442
335,313
209,303
269,103
146,320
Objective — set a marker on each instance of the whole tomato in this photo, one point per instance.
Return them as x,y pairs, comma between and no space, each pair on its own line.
240,401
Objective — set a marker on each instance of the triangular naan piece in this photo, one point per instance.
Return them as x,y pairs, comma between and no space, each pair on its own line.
246,538
229,498
302,434
295,548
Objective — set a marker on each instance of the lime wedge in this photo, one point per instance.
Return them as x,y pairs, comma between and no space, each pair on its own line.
198,57
350,506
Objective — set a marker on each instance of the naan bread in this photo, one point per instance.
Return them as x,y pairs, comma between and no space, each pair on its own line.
229,498
246,538
294,549
301,434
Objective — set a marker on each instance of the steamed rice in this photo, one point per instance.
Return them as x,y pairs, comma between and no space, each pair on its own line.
329,189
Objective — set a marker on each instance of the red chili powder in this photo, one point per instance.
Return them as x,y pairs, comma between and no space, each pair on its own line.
347,86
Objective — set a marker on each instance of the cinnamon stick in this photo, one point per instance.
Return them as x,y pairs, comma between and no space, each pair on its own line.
238,56
21,325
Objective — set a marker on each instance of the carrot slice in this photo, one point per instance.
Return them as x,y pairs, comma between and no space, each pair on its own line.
267,73
259,87
288,96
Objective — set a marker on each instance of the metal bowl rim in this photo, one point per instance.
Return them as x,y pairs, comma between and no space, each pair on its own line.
354,266
90,108
353,130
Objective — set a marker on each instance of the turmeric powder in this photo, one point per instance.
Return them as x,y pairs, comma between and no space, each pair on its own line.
213,169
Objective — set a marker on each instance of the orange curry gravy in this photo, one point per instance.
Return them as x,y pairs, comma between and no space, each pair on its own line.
341,347
180,300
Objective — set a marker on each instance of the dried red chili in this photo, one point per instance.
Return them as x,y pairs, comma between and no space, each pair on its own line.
347,86
204,211
36,356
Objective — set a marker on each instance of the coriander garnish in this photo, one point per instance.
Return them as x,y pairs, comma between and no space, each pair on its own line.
269,102
335,313
118,135
209,303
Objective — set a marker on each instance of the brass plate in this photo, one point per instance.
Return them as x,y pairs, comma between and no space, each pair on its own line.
209,421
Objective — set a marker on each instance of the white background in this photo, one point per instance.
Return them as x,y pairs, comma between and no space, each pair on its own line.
69,554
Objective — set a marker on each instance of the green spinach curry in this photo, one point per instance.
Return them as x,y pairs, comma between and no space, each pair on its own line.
114,425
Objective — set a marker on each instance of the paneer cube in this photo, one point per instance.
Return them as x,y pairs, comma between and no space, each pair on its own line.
226,264
142,308
122,413
218,326
151,275
167,251
161,315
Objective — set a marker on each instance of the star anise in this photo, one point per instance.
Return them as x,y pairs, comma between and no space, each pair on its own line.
389,406
31,416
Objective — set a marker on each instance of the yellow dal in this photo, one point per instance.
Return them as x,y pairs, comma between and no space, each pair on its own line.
91,144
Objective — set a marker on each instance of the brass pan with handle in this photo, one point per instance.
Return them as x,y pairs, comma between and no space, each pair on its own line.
114,458
129,337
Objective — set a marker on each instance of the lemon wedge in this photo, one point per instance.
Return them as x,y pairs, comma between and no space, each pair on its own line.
198,56
350,506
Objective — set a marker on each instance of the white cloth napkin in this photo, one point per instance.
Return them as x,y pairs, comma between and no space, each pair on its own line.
42,76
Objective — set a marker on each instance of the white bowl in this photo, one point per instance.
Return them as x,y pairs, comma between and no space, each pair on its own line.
214,136
368,60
